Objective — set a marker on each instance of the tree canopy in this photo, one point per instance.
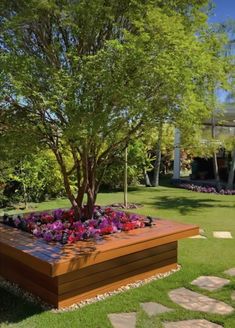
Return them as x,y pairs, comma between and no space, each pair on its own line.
83,78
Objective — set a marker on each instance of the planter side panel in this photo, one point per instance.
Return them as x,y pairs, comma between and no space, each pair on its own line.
109,275
32,280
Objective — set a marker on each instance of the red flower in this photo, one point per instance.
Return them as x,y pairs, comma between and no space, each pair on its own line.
106,230
47,218
128,226
71,239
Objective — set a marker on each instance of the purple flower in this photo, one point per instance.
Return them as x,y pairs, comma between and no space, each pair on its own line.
47,236
17,221
37,232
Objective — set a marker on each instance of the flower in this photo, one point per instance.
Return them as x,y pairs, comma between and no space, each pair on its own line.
62,226
205,189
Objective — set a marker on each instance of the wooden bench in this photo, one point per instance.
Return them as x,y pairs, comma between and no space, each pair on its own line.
65,274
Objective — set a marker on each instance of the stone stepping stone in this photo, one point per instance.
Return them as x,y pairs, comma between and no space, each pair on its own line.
198,237
191,323
233,296
210,283
230,272
123,320
198,302
222,234
152,308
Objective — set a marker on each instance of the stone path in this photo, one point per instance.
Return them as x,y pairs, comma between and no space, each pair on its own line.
198,237
216,234
198,302
191,324
230,272
152,308
187,299
123,320
222,234
210,283
233,296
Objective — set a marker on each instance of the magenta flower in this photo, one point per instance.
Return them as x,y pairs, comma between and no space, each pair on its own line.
61,225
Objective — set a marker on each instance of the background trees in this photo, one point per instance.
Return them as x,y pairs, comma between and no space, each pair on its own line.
84,78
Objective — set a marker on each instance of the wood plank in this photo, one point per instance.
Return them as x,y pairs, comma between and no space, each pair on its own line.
111,280
29,285
104,266
122,269
28,243
114,285
35,276
61,260
99,255
32,261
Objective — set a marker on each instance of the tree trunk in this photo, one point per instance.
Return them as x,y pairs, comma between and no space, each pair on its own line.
91,187
157,163
215,163
91,199
72,199
25,196
231,172
125,177
146,178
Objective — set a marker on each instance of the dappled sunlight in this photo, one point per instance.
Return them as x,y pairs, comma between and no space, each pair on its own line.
185,205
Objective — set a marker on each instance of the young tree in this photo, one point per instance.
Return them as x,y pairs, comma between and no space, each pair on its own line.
86,77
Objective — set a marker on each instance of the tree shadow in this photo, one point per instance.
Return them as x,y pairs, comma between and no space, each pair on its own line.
14,308
184,204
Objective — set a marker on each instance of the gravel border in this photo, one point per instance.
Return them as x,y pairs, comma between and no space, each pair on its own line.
18,291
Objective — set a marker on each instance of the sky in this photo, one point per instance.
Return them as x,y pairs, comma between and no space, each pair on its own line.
224,9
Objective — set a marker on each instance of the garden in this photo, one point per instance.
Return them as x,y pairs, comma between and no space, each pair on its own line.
197,257
101,104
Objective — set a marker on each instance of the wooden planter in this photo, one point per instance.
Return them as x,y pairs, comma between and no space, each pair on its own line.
63,275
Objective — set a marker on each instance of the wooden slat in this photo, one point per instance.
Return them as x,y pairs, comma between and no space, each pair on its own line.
28,243
14,276
116,262
122,269
57,260
66,300
99,256
32,275
116,278
32,261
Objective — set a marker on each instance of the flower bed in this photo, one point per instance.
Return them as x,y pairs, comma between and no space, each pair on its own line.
61,225
205,189
64,274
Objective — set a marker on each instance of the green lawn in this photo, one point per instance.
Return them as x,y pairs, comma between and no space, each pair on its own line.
197,257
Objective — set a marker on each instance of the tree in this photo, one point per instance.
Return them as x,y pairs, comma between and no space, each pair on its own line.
84,78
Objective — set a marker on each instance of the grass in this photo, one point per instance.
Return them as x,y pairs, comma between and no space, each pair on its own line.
197,256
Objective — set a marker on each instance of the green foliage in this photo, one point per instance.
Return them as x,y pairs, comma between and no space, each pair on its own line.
85,78
139,161
33,179
40,176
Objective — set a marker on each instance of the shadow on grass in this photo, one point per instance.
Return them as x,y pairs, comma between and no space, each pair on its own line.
14,309
184,204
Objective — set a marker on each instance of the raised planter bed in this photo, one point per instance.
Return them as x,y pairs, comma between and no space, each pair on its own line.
65,274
